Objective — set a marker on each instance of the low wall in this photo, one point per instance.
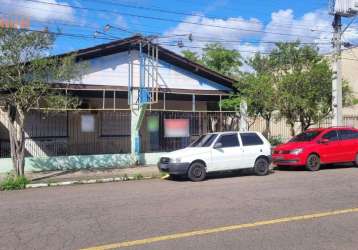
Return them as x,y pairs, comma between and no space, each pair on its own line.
33,164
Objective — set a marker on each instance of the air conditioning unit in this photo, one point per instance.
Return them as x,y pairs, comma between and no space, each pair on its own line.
346,8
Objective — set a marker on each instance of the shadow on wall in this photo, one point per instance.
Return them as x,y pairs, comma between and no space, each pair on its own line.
79,162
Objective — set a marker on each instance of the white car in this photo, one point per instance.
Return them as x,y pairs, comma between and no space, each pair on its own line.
222,151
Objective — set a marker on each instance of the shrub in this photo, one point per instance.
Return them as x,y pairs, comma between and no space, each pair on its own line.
138,177
12,182
276,140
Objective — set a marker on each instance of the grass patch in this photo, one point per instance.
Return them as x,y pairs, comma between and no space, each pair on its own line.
12,182
138,177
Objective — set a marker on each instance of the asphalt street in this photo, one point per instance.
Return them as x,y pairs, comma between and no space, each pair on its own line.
189,215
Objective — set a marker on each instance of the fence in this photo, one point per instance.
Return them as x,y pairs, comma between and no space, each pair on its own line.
108,132
75,133
153,134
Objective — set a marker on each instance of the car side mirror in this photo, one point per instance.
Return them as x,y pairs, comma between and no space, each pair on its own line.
218,145
323,141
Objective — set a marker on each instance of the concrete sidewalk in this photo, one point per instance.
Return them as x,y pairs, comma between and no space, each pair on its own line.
140,172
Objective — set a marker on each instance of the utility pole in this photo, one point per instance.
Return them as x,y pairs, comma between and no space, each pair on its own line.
337,73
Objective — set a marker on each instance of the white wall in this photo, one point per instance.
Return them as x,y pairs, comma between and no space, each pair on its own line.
114,70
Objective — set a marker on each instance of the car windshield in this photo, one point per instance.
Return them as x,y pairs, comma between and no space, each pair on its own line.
204,141
306,136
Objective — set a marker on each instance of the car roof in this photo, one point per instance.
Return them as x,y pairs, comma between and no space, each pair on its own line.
231,132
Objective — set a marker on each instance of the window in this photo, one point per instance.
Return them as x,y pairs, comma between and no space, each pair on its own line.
306,136
348,134
204,141
332,135
46,125
229,140
251,139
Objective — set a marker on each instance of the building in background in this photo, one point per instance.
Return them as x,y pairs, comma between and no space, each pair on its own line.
138,100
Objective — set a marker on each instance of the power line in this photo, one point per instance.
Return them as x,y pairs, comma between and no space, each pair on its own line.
160,10
166,19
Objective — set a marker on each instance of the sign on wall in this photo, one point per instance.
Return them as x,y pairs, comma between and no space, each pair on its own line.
87,123
176,128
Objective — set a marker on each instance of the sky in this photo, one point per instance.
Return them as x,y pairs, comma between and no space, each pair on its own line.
245,25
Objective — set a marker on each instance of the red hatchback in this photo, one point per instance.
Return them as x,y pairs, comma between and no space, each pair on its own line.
319,146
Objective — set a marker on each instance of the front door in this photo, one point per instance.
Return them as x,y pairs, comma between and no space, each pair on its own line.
228,155
331,151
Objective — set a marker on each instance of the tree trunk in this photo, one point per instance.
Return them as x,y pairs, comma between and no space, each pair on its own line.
292,129
267,131
17,142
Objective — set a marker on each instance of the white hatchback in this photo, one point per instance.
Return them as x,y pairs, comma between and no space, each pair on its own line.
222,151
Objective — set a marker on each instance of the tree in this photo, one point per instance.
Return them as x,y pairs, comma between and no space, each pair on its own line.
304,81
191,56
225,61
258,90
25,74
216,57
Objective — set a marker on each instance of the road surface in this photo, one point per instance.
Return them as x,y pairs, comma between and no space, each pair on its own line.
231,212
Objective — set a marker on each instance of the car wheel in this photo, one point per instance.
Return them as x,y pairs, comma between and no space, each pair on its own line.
197,172
262,167
356,161
313,162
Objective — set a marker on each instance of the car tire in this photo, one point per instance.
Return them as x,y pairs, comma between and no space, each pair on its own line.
313,162
197,172
261,167
356,161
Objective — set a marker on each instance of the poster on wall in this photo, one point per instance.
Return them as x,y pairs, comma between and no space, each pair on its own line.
176,128
87,123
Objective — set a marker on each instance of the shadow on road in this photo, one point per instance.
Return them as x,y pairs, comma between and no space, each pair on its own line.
220,175
323,167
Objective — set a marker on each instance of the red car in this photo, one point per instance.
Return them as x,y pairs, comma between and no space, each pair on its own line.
315,147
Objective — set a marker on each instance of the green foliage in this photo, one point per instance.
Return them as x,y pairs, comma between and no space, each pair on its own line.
304,81
191,56
276,140
12,182
222,60
216,57
138,177
26,74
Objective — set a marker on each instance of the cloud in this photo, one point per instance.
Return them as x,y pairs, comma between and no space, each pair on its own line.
313,27
210,30
120,22
38,11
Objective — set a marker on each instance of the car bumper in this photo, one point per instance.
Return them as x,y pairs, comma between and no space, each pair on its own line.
286,159
174,168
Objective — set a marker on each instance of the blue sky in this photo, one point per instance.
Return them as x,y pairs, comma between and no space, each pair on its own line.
250,26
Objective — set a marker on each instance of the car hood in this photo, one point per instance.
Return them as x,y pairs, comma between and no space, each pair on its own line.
187,152
293,145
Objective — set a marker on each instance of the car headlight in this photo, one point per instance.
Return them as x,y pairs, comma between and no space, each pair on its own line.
296,151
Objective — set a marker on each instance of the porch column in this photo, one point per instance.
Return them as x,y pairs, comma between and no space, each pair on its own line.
137,115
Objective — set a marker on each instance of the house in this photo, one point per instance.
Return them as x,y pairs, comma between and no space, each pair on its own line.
138,99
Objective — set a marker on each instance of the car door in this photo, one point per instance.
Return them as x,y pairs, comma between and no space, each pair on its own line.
331,150
252,146
349,144
228,155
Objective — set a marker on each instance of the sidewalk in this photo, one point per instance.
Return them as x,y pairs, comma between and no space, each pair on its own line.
92,175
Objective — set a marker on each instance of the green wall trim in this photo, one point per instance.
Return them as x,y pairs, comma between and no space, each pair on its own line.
74,162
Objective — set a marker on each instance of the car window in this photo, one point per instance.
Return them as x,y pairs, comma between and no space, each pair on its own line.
204,141
348,134
331,135
229,140
250,139
306,136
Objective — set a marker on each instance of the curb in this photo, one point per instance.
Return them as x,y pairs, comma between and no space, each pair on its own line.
91,181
